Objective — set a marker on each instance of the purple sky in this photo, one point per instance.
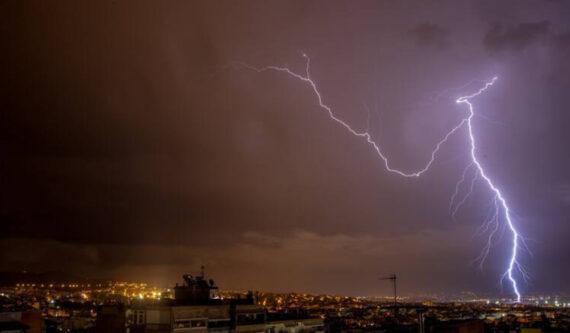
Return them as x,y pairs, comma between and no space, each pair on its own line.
133,148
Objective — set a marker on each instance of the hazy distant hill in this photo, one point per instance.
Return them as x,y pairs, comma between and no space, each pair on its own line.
11,278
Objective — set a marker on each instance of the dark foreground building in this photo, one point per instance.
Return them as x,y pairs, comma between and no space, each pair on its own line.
27,320
457,326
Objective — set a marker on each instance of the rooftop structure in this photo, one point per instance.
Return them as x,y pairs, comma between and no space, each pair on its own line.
196,290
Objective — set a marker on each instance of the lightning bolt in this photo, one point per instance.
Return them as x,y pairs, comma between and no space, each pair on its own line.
491,222
466,196
499,199
458,188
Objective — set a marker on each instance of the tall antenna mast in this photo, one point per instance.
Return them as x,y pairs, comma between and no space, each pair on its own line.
393,278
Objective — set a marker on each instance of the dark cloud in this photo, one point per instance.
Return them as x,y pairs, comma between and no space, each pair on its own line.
541,39
515,37
307,256
429,34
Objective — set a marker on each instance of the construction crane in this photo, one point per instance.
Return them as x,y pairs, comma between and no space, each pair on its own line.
393,278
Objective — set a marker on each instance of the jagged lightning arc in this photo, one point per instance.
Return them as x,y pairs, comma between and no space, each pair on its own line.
498,196
499,200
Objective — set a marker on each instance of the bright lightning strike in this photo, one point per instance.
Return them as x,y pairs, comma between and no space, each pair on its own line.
499,199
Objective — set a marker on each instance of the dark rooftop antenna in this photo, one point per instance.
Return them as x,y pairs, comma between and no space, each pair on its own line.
393,278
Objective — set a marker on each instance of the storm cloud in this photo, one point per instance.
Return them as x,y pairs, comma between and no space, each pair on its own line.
517,38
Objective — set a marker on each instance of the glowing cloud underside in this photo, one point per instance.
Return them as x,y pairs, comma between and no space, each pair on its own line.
499,201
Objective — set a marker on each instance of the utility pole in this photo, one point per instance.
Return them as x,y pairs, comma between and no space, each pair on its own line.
393,278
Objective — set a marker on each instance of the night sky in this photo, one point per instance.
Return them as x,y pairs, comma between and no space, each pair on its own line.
133,147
